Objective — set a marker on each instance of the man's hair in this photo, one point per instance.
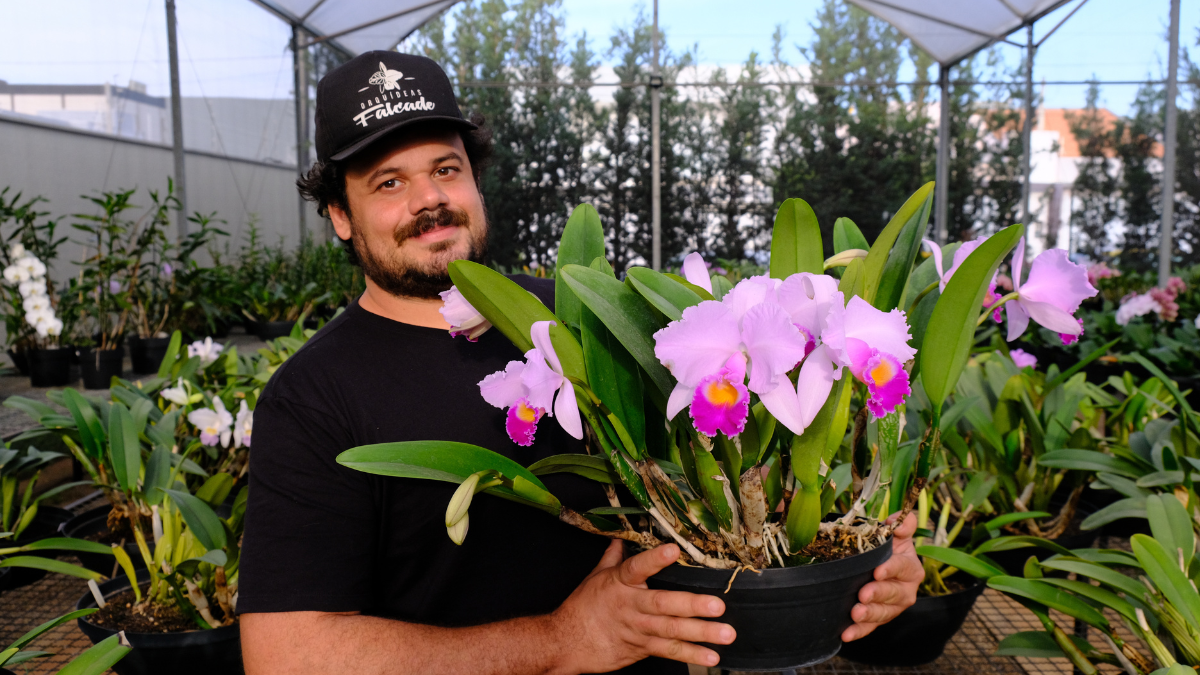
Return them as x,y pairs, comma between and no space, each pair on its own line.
325,182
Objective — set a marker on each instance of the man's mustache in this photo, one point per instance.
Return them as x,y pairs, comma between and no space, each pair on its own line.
428,220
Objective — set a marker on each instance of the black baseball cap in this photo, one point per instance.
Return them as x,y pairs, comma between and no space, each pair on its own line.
376,93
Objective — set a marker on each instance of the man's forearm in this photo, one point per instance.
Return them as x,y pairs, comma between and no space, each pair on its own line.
311,643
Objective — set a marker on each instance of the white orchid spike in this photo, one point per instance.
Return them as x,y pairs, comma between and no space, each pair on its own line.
215,424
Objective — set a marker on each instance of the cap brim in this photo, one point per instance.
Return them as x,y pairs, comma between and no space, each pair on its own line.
362,143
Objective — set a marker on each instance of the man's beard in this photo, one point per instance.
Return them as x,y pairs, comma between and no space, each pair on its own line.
406,279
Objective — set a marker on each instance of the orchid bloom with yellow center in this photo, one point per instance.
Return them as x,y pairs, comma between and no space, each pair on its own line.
533,388
215,424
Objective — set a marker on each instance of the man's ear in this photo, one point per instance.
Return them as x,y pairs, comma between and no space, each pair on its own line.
341,221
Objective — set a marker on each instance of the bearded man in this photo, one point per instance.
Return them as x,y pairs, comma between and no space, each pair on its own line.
347,572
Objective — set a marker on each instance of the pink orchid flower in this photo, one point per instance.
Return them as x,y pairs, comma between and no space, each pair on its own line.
807,298
1022,358
462,317
215,424
960,254
710,350
1054,290
532,389
1068,339
695,270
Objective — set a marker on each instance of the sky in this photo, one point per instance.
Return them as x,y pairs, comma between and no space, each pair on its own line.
235,48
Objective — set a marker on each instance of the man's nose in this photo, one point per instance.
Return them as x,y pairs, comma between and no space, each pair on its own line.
427,195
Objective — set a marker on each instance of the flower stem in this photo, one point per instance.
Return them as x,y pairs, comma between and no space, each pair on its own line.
993,307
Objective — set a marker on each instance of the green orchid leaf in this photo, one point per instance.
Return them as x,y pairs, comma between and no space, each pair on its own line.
536,495
618,511
431,460
710,477
1089,460
200,519
999,522
1044,593
215,489
66,544
614,376
700,292
98,658
916,208
625,314
1171,526
846,236
512,310
976,567
158,474
951,330
853,280
50,565
169,358
51,625
591,467
124,447
1037,645
721,286
1162,566
1015,542
1105,575
1098,595
91,432
796,240
667,295
215,557
582,242
899,262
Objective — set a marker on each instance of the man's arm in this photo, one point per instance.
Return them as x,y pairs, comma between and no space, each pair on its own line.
610,621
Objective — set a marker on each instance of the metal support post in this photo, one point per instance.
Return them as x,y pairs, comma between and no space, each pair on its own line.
1027,130
942,194
177,123
1168,163
655,151
300,69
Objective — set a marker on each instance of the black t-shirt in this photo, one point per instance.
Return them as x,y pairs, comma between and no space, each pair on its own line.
322,537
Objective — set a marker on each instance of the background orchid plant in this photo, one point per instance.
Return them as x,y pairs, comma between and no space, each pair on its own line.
720,407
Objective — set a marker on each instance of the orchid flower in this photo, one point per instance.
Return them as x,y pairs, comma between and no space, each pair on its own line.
32,287
34,267
49,327
695,270
177,394
243,426
1054,290
214,423
462,317
1068,339
36,302
532,389
807,298
1022,358
17,251
208,351
714,343
15,274
960,254
1136,305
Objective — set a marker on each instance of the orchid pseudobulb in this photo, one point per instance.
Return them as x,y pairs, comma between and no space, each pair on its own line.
533,388
462,317
1050,296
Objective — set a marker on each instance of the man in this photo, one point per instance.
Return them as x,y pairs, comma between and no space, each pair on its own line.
344,571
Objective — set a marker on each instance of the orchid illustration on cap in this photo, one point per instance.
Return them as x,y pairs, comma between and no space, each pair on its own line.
215,424
713,346
1054,290
462,317
695,270
533,388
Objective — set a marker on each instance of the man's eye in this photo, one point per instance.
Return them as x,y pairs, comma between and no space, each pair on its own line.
446,170
388,184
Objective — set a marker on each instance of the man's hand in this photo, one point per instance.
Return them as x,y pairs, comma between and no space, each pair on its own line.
895,587
612,619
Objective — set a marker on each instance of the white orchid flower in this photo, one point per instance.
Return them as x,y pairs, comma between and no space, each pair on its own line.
15,274
35,316
36,302
462,317
177,394
208,351
243,426
17,251
32,265
50,327
32,287
215,424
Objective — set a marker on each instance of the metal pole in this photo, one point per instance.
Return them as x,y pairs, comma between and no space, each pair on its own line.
1027,129
300,70
1169,139
177,123
655,151
942,197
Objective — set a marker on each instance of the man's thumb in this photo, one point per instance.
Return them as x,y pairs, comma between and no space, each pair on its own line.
613,555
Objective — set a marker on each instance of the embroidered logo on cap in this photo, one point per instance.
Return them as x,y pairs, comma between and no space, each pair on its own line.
379,107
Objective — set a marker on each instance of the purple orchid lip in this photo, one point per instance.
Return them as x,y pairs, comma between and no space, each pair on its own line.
887,382
521,422
722,404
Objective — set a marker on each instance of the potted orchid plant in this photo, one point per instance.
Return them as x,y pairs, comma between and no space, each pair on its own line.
49,365
719,406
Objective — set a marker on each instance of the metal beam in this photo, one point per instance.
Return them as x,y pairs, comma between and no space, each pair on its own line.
300,72
1165,253
177,124
655,151
942,194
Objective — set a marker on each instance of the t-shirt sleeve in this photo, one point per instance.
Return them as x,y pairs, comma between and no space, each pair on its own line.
311,524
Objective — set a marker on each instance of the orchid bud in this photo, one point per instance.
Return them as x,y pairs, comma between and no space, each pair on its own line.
458,531
845,257
461,501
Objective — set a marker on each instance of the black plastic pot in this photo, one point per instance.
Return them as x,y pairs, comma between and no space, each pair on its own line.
785,618
269,330
197,652
45,524
100,366
920,634
93,522
145,354
20,359
50,367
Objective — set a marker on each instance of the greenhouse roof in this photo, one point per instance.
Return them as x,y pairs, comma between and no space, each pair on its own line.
357,26
951,30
